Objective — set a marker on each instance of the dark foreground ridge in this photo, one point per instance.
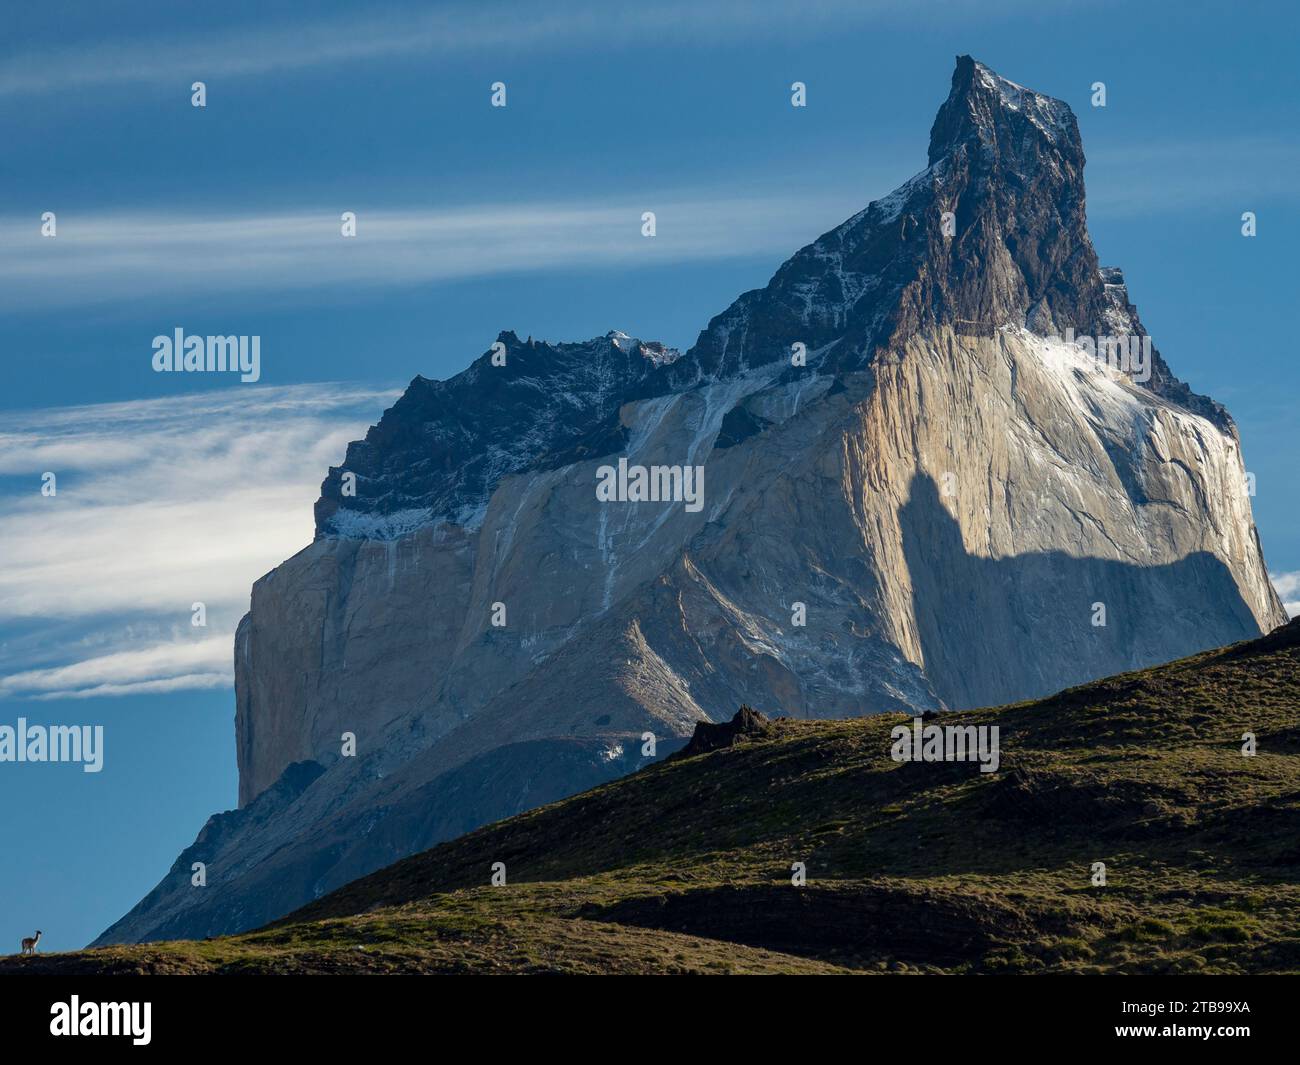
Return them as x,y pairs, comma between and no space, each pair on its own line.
685,866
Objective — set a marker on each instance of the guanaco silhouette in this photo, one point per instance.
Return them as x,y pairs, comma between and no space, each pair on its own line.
29,943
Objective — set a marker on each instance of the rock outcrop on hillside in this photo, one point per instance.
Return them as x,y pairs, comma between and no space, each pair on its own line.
936,508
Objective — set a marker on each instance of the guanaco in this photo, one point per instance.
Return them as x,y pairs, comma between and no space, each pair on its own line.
29,943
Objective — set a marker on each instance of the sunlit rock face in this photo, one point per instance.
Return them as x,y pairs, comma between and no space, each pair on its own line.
919,491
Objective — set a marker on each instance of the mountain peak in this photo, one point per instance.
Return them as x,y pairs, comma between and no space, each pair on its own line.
941,475
985,108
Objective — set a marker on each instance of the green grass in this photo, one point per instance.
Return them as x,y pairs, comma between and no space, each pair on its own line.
685,866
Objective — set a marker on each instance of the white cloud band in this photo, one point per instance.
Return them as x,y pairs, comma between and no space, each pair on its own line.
160,504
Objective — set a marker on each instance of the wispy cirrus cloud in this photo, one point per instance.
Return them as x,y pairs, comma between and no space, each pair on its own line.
158,668
1168,176
450,30
160,504
111,258
119,257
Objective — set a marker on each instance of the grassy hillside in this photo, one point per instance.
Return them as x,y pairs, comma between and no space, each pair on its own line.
685,866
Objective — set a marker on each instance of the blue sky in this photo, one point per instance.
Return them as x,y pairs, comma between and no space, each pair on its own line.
472,219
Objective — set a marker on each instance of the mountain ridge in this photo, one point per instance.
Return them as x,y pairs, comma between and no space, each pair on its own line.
966,116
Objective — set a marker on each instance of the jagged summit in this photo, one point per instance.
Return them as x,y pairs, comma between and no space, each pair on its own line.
984,105
442,448
1006,166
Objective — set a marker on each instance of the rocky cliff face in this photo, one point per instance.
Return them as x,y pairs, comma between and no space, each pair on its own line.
935,508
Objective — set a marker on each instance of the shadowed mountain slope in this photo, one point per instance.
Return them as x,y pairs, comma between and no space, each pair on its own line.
932,866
